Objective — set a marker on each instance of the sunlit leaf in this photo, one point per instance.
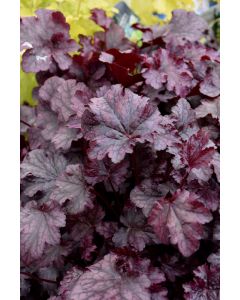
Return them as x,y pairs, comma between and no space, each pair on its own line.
27,83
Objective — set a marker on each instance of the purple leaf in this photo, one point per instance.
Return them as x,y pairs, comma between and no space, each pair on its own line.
205,285
214,259
211,83
122,119
106,280
45,167
40,227
61,96
208,107
64,137
184,119
46,38
178,220
54,255
216,165
184,26
61,134
113,175
48,273
68,282
47,122
120,160
196,154
136,232
164,70
28,117
24,285
209,193
147,193
167,135
106,229
71,186
88,221
99,17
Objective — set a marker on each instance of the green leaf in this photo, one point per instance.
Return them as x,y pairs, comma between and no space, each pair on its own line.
27,83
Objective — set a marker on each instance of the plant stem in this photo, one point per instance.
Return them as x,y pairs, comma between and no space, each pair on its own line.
38,278
25,123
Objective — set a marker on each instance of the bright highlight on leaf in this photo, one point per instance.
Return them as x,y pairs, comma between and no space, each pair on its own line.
119,158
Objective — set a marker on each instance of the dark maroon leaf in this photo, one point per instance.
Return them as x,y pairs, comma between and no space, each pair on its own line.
113,175
123,66
120,160
205,285
135,232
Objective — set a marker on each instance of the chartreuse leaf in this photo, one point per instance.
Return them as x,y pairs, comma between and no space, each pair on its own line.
145,9
28,7
27,83
78,14
166,7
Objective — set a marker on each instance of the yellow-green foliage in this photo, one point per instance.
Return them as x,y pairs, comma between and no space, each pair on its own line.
144,9
77,13
27,83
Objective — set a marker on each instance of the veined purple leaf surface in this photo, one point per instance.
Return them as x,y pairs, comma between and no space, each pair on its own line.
120,176
46,40
122,119
178,220
108,279
40,226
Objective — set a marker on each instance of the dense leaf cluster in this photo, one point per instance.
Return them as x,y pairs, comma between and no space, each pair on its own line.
120,162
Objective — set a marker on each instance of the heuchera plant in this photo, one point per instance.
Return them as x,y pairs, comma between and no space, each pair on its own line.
120,162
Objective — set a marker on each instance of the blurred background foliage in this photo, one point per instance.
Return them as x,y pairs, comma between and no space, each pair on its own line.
77,13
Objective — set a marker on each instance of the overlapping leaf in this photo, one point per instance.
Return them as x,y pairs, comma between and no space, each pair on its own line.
71,185
40,227
136,232
44,167
122,119
106,280
205,285
46,40
178,220
164,70
120,173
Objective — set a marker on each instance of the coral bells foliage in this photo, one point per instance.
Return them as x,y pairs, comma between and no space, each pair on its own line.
120,162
